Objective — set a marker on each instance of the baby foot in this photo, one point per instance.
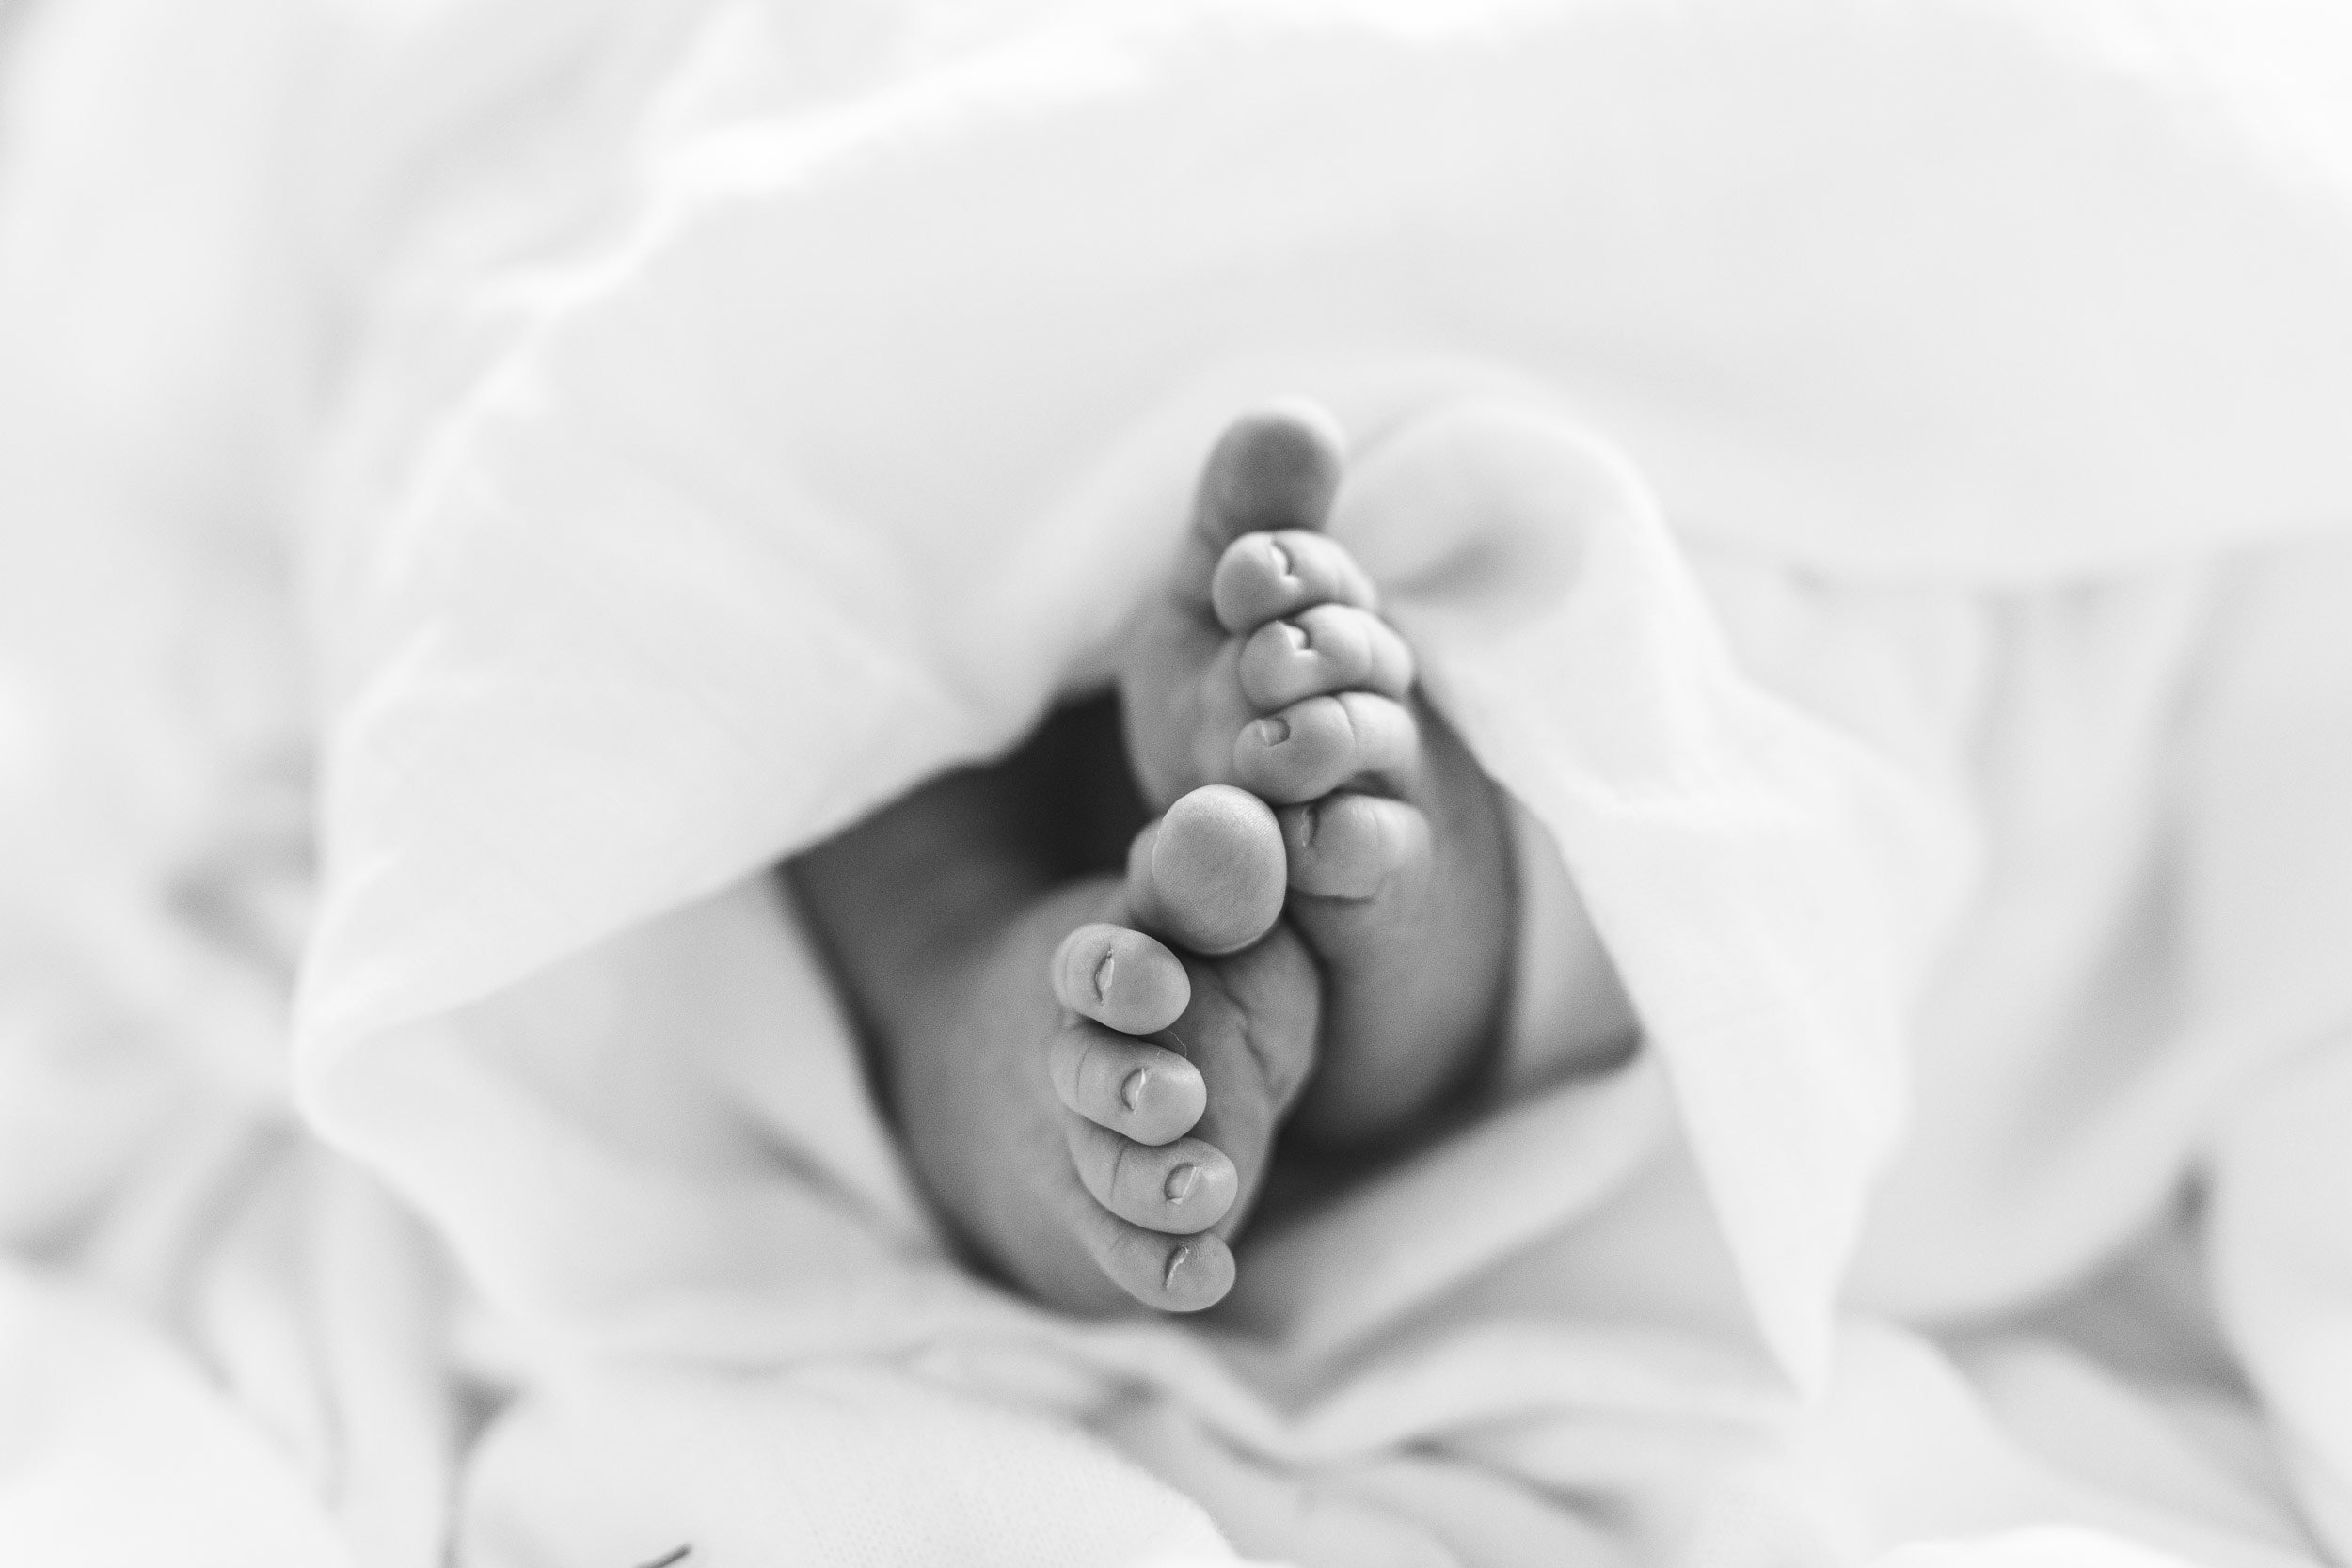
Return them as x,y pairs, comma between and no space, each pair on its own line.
1114,1164
1268,665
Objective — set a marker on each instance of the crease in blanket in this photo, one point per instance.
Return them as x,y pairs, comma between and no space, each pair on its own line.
219,1341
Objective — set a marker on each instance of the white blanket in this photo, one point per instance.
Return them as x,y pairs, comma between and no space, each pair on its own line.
1867,482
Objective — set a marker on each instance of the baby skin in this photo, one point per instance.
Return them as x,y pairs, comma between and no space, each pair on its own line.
1088,1072
1265,664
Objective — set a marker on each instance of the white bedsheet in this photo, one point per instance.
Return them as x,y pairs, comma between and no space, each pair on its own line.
1867,482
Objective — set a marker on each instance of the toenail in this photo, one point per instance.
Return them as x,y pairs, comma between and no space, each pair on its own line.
1307,827
1102,979
1300,642
1175,1261
1181,1181
1274,731
1281,559
1131,1090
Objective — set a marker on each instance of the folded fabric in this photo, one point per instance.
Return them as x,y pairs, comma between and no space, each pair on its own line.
1865,482
846,434
117,1454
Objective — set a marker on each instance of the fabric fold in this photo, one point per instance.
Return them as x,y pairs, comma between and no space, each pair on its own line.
837,435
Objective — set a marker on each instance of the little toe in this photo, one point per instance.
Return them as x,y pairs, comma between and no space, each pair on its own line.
1315,747
1262,576
1355,847
1275,468
1173,1274
1177,1188
1121,979
1321,651
1142,1091
1209,874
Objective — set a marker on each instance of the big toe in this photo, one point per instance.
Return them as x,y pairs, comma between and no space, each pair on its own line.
1275,468
1209,875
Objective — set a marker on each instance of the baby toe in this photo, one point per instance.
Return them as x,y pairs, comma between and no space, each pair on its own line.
1119,978
1262,576
1138,1089
1176,1189
1354,847
1322,650
1173,1274
1209,875
1277,466
1315,747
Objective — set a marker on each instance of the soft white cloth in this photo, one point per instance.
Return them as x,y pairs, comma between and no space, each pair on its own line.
1864,480
849,430
120,1455
219,1343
